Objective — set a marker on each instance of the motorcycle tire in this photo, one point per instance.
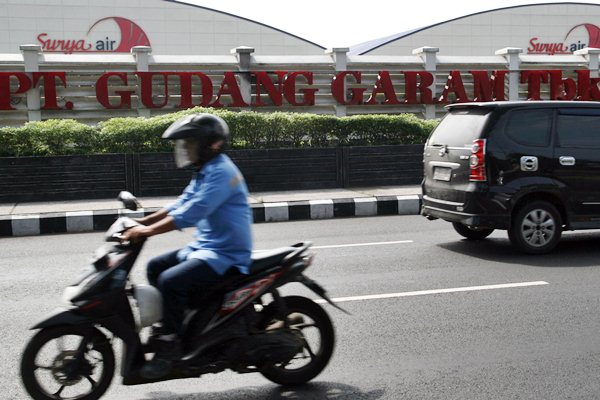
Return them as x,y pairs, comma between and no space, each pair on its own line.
303,306
33,386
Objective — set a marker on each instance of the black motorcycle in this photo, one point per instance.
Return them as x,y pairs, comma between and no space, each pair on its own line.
243,324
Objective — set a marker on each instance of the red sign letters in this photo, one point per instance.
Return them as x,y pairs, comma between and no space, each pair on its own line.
296,89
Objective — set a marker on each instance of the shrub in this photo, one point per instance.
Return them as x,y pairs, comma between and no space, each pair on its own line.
384,129
138,135
52,137
249,130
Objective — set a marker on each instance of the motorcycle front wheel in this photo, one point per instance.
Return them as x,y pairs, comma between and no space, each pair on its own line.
314,325
53,369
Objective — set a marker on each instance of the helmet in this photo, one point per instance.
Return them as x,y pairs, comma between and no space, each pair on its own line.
194,135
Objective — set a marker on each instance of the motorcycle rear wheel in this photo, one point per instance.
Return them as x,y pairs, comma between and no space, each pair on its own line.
58,370
319,358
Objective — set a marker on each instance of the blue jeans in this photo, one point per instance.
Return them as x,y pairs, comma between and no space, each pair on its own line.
175,280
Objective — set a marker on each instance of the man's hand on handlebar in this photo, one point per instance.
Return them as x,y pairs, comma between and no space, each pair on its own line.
135,234
153,218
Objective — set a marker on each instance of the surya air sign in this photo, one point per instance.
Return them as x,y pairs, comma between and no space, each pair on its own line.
578,37
111,34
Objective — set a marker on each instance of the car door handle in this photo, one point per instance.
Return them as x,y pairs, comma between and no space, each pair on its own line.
566,160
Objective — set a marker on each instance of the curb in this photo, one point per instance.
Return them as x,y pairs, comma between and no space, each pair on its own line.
88,221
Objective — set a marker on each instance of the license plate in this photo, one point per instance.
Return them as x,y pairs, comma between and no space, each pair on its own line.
442,174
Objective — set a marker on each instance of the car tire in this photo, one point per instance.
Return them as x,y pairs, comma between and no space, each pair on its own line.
536,228
471,233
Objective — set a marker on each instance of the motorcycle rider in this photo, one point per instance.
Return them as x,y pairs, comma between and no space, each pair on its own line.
216,203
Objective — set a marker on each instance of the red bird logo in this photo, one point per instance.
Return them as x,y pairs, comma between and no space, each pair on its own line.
131,34
593,32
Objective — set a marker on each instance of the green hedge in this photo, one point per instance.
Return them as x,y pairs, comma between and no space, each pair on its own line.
249,130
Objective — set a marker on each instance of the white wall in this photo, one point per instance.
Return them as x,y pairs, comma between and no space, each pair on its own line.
172,28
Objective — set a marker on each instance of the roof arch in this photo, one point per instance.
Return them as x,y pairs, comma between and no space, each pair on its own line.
308,42
375,44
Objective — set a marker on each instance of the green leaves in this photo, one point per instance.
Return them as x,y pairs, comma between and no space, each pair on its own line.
249,130
52,137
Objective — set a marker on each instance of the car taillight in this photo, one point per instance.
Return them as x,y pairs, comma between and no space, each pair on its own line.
477,161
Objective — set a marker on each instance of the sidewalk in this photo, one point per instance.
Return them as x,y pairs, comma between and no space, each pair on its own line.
24,219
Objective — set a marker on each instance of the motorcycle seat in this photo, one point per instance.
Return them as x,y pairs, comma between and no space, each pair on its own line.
263,260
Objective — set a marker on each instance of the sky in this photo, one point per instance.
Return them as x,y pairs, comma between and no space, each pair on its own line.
343,23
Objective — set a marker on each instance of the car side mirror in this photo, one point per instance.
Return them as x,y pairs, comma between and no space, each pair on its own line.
129,201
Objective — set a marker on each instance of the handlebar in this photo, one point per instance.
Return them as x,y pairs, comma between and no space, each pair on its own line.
113,234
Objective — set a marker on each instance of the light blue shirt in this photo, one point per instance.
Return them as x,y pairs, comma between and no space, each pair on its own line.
216,203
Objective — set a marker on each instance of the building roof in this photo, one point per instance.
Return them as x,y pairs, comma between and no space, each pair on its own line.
245,19
366,47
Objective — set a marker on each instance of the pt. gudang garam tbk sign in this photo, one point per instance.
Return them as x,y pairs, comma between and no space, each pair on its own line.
296,88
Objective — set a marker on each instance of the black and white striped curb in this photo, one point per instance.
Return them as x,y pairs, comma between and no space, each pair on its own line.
87,221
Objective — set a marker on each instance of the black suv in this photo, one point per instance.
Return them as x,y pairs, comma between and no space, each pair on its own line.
532,168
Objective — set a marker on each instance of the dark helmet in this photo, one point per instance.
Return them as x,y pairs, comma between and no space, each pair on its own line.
194,135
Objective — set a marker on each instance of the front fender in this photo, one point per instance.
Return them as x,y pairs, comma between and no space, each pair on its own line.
61,316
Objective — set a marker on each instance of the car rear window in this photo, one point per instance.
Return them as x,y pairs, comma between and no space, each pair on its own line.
459,127
530,127
578,129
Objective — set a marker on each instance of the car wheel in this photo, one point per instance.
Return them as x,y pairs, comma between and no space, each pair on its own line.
471,233
536,228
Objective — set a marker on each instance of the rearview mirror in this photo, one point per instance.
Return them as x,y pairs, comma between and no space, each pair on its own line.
129,201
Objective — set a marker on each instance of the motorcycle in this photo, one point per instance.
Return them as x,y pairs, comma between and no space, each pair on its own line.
242,324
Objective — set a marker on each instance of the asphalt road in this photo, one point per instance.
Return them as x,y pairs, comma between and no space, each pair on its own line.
532,342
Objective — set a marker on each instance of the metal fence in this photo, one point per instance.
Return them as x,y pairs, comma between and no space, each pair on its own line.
94,87
154,174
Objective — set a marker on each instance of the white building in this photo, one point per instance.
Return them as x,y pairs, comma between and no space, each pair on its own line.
175,28
552,28
169,27
74,59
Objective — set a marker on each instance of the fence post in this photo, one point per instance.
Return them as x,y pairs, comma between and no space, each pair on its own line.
429,57
141,54
31,55
342,162
511,54
243,55
591,55
340,58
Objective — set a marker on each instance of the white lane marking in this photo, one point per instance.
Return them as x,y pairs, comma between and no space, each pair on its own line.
335,246
435,291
